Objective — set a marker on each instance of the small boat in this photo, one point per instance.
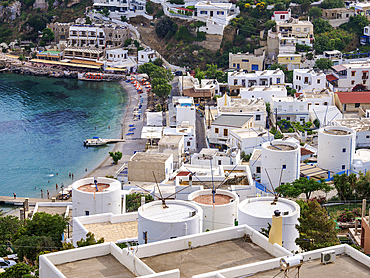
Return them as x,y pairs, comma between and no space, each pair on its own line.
96,141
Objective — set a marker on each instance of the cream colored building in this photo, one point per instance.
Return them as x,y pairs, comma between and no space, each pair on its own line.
173,144
301,30
144,166
246,61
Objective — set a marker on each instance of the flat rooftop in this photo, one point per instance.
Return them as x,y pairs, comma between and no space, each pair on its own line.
113,231
344,266
356,124
150,157
53,209
97,267
257,73
244,105
232,120
216,256
170,139
281,147
256,155
251,133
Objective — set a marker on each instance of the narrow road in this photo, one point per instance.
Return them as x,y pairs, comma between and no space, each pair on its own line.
200,132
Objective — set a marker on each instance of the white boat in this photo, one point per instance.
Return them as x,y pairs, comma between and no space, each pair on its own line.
96,141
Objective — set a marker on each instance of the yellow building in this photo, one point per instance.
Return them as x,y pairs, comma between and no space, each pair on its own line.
290,61
246,61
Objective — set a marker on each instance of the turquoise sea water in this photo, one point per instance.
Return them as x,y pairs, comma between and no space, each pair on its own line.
43,123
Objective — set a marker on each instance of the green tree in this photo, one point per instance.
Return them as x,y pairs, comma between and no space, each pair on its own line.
321,26
90,240
9,226
22,57
45,224
158,62
323,63
270,24
16,271
115,156
302,185
314,12
343,186
47,34
331,4
356,24
136,43
158,81
88,20
106,11
316,229
199,74
165,28
162,91
363,185
123,18
280,6
147,68
149,7
133,201
29,246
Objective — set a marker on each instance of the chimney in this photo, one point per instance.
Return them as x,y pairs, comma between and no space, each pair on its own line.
276,232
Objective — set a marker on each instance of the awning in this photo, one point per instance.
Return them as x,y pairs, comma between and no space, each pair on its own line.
64,64
339,68
331,78
365,71
115,69
92,63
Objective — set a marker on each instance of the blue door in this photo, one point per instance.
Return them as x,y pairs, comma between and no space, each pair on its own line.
254,67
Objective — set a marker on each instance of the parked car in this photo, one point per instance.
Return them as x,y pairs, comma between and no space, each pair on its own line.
6,263
178,73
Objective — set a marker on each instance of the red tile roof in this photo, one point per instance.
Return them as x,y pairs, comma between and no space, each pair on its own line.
183,174
304,151
354,97
281,12
331,77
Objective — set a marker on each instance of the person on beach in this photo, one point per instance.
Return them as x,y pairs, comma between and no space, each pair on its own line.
69,174
48,193
42,194
15,196
56,186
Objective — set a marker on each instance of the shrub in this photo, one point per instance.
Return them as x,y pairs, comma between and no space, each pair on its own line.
349,216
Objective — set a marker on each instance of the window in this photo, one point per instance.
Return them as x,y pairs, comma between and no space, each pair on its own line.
298,29
258,117
254,67
235,82
343,150
367,136
220,13
258,169
284,166
288,118
87,212
245,61
226,132
353,82
203,12
282,16
291,58
357,105
188,143
219,162
353,73
318,81
343,167
364,82
277,80
306,79
234,65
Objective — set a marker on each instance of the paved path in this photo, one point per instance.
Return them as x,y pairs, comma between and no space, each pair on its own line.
18,200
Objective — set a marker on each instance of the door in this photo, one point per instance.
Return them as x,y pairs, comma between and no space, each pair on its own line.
211,13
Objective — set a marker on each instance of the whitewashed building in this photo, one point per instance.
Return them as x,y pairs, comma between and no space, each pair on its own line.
216,157
248,139
264,92
361,126
239,79
346,76
281,15
308,80
146,55
255,107
291,109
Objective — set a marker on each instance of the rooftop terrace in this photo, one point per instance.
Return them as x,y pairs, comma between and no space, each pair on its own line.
113,231
97,267
209,258
344,266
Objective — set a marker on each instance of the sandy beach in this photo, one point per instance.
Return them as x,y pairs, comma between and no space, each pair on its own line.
132,142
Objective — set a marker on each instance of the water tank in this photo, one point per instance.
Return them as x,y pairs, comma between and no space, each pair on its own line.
218,215
280,163
180,218
336,148
87,200
258,212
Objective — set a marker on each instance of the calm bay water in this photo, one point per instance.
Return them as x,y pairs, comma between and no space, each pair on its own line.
43,123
